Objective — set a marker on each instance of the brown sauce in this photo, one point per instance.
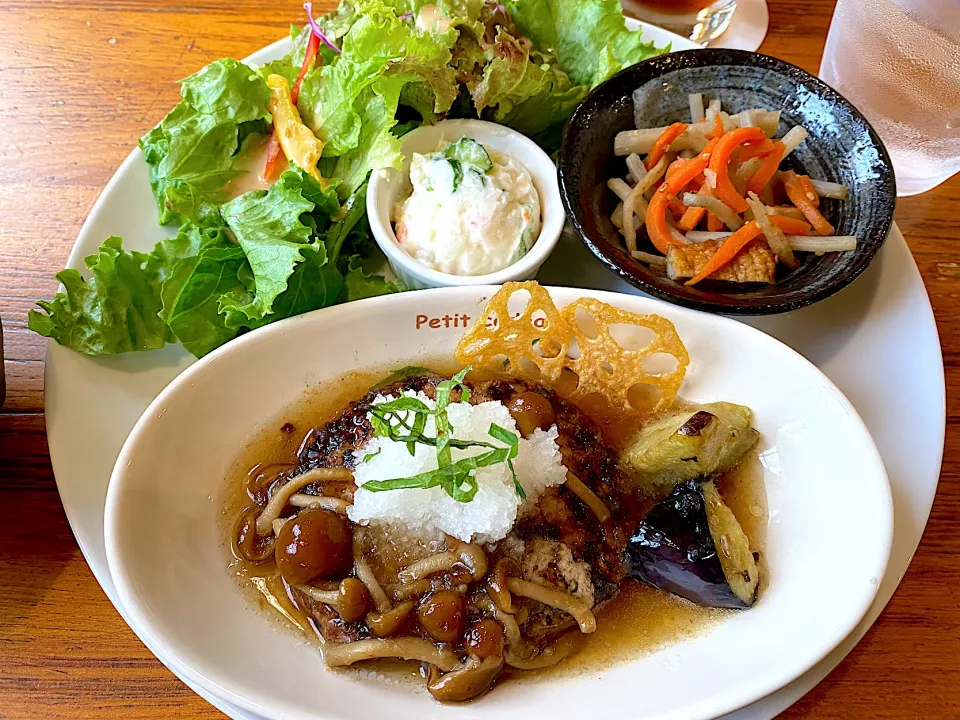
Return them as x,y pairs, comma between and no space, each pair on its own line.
639,620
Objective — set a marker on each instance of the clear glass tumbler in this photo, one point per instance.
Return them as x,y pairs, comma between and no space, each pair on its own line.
699,20
898,61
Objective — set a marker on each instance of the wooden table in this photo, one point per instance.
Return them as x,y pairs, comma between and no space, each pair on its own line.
80,81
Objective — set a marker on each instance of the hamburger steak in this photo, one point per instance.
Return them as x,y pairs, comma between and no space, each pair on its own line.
557,542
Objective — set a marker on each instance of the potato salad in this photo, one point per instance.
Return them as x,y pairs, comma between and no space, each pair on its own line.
471,210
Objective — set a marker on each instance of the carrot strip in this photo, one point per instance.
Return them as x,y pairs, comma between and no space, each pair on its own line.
717,127
797,195
768,169
791,226
690,170
663,143
676,206
714,224
675,167
720,163
752,150
657,227
809,190
693,215
728,251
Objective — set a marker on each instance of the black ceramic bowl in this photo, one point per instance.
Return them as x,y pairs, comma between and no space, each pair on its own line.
842,147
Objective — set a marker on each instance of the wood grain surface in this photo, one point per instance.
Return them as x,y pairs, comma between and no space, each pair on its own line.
80,81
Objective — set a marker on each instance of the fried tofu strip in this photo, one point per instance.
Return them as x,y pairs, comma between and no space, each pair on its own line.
754,264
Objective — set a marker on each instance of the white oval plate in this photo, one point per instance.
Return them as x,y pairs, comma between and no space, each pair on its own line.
92,403
828,537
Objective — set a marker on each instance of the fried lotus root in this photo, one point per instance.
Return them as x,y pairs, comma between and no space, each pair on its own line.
622,376
531,352
625,377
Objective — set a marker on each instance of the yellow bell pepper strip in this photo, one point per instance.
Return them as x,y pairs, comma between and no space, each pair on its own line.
663,143
299,144
728,251
798,196
273,149
766,171
720,161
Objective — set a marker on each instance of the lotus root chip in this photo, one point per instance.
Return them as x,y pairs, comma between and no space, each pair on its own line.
531,346
606,368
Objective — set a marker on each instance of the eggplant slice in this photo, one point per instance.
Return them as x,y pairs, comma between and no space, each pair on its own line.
691,545
689,443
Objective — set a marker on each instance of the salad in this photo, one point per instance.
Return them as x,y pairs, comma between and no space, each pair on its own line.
260,172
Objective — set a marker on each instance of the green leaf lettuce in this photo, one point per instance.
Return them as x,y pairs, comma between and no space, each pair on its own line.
191,152
589,37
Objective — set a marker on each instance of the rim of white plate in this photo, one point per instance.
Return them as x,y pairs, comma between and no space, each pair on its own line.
250,698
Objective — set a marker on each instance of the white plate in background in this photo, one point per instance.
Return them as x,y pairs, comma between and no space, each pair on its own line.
746,31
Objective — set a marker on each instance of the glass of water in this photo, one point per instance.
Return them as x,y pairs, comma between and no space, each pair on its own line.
699,20
898,61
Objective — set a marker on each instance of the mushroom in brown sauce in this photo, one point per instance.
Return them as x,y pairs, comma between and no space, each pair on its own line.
314,544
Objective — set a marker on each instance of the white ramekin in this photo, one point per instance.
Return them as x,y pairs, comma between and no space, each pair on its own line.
386,185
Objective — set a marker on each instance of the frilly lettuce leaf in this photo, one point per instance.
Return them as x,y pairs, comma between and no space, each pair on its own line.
377,145
267,225
191,152
351,103
589,37
193,293
362,284
525,90
314,284
114,310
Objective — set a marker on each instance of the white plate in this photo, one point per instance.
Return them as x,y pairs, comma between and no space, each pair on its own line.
92,403
828,536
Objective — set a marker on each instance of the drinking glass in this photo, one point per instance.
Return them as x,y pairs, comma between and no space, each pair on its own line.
699,20
898,61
